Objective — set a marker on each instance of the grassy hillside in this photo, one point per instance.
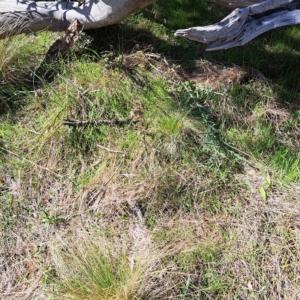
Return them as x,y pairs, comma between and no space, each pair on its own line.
142,167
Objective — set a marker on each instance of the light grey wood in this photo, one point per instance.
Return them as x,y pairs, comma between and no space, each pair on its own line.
236,3
229,27
244,24
23,17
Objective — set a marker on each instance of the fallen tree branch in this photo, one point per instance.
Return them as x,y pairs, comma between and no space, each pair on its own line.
115,121
243,25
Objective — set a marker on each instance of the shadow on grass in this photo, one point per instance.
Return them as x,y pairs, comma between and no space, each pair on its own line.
13,93
276,54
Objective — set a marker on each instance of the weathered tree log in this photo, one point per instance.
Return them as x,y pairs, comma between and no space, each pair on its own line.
244,24
240,27
18,17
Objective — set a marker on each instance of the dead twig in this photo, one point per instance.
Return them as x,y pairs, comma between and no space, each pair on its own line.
114,121
110,150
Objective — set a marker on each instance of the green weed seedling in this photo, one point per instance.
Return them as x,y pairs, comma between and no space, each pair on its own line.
294,120
263,193
49,219
185,287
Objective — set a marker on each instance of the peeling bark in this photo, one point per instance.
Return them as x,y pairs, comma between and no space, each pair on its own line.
61,46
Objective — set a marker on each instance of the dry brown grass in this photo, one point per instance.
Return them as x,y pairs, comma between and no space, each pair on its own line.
187,229
253,249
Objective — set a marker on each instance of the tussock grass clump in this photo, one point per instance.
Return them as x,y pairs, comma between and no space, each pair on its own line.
91,270
102,266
